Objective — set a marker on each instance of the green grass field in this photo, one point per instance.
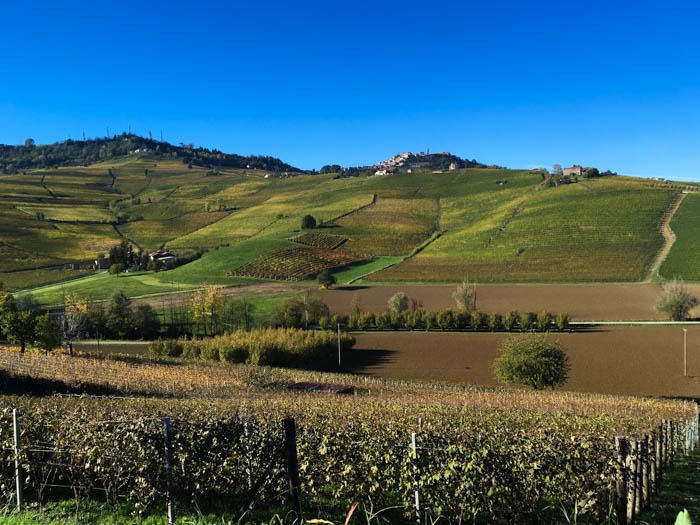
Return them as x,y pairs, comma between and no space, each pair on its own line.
684,256
498,225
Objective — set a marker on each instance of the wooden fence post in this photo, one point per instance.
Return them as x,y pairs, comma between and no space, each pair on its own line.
621,484
168,470
290,445
18,461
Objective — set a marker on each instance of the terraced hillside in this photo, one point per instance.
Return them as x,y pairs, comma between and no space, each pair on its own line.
485,224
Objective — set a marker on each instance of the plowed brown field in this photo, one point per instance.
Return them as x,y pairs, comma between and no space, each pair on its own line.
634,360
583,302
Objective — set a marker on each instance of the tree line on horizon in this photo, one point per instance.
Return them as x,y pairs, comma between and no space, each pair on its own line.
14,159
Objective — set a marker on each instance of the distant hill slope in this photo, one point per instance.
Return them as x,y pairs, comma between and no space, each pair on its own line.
14,159
487,225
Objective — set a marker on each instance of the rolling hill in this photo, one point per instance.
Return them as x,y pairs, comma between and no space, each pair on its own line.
484,224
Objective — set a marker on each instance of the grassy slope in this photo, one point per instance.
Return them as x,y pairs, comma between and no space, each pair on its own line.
602,229
683,258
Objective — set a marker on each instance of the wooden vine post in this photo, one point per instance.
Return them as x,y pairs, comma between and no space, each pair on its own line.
169,470
414,460
621,485
18,462
290,445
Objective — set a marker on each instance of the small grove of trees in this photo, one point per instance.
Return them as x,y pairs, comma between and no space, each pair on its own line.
676,301
533,361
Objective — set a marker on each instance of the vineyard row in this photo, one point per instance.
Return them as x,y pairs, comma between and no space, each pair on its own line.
490,466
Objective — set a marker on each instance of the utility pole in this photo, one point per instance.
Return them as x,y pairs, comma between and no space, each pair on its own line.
685,352
339,364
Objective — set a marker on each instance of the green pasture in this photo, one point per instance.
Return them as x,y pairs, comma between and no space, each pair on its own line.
684,258
357,271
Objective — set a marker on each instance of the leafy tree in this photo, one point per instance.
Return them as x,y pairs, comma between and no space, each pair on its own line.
97,321
398,303
331,168
145,322
18,326
308,222
326,279
47,334
205,309
532,360
510,321
544,320
557,169
118,315
17,318
676,301
465,296
116,269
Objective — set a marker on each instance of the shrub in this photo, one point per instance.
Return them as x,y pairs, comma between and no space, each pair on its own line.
676,301
165,348
533,361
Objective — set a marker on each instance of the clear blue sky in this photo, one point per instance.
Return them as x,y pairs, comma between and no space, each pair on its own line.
518,83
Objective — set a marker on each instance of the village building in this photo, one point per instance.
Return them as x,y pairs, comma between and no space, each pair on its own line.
573,171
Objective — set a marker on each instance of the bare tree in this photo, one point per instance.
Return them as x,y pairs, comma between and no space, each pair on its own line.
676,301
465,296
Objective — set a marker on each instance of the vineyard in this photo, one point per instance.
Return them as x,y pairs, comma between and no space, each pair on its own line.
320,240
294,263
481,455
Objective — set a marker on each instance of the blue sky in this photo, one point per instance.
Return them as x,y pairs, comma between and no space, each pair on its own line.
609,84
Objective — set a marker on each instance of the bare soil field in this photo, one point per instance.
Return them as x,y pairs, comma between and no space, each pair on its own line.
583,302
630,360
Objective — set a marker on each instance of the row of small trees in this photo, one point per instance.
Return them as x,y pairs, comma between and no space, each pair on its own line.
24,323
448,320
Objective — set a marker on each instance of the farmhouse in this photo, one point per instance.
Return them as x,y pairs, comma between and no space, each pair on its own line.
573,171
164,257
102,262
